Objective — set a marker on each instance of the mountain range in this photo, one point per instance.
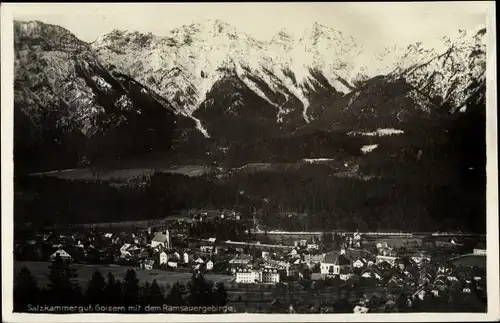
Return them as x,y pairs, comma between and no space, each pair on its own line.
206,88
310,123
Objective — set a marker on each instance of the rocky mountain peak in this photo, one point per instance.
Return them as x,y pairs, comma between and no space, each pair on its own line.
37,33
207,31
319,32
120,39
211,66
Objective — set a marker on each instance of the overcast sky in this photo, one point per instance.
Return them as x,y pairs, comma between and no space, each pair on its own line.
375,24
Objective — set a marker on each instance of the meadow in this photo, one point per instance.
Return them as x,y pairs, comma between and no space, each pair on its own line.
40,271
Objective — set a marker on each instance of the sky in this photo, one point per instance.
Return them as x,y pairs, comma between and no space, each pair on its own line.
391,23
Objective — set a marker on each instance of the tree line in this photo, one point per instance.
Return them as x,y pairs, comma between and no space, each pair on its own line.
330,202
63,290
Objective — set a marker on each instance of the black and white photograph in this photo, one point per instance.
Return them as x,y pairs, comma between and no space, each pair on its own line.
214,161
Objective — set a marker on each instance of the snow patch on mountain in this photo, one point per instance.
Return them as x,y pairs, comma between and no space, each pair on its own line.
198,125
377,133
240,73
317,160
368,148
101,83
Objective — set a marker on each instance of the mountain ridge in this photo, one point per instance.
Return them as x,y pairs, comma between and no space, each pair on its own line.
239,51
215,81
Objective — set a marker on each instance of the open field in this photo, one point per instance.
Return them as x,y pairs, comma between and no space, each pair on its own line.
40,270
123,175
470,260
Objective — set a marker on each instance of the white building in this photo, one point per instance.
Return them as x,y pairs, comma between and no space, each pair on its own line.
479,252
278,265
162,239
124,252
266,276
334,264
163,258
312,246
209,265
326,265
359,263
360,309
185,257
270,276
300,243
61,253
345,274
247,276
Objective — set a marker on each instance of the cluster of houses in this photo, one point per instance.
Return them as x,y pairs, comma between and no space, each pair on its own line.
207,215
147,249
387,267
261,264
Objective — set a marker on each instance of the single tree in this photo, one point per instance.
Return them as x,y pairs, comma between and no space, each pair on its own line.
144,294
220,298
112,291
63,288
25,290
95,289
156,296
130,288
176,296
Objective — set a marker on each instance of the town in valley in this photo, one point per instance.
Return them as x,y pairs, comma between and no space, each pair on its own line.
238,158
272,271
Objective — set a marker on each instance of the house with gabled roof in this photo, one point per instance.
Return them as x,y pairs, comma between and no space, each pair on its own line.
347,273
162,258
62,254
334,264
360,263
396,278
326,265
313,258
162,239
124,252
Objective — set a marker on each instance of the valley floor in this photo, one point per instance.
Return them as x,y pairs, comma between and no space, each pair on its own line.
40,270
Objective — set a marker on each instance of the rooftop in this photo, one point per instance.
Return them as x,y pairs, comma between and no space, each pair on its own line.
160,237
